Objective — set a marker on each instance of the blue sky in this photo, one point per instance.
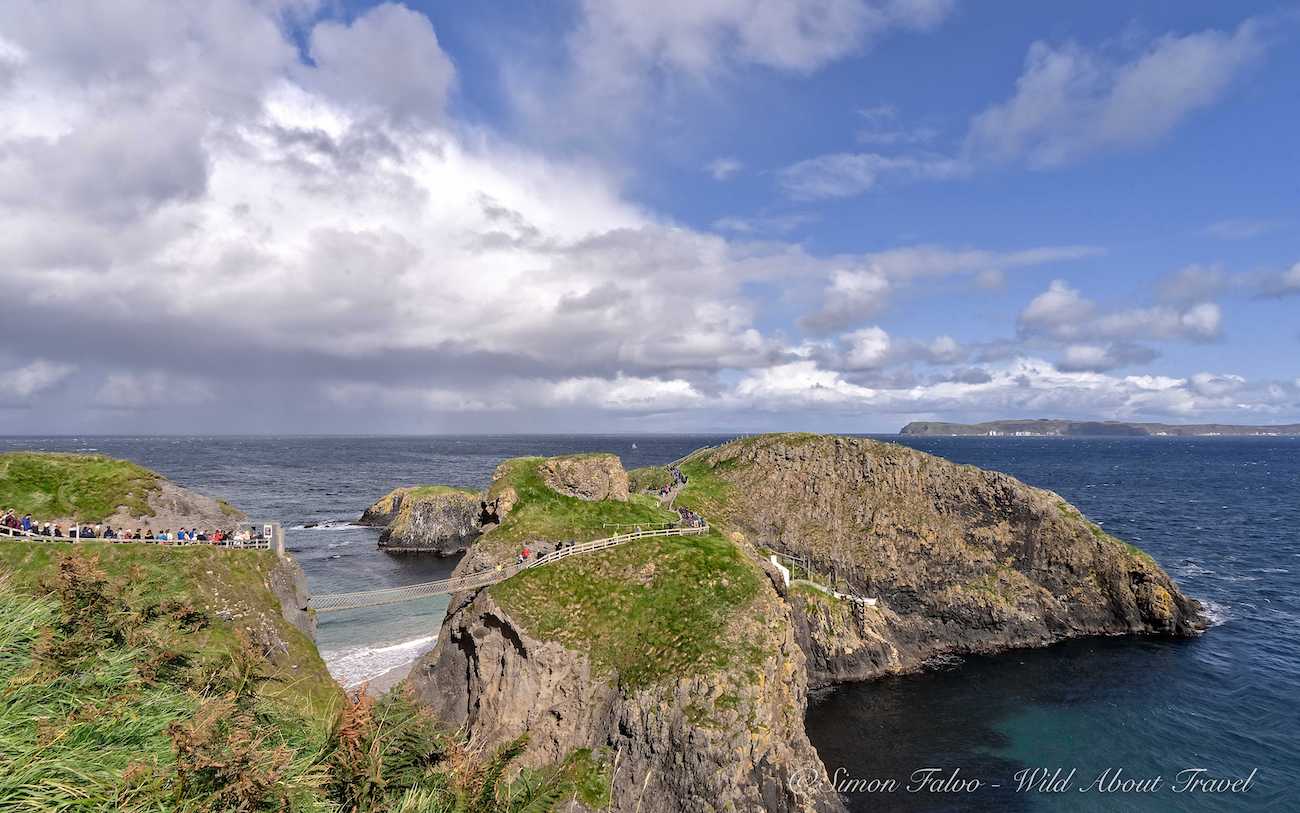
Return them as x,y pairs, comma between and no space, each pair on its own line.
638,216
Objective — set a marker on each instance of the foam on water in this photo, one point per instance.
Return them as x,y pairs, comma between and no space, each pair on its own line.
352,667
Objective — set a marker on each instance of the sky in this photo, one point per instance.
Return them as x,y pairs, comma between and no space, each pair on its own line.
309,216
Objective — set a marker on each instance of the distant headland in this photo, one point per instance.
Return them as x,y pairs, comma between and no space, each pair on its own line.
1048,427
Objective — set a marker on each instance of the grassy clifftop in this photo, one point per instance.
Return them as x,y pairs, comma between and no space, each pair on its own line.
646,611
89,487
652,609
538,512
228,586
139,678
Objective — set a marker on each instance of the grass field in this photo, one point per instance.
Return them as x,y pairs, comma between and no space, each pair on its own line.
121,690
214,580
650,609
540,513
87,487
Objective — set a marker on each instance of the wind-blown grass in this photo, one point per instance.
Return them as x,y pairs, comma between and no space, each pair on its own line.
87,487
103,708
648,610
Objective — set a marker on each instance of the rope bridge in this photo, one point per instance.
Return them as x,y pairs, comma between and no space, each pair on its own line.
484,578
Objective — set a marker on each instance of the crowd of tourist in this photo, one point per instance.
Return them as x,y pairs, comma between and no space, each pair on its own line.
690,519
26,526
679,479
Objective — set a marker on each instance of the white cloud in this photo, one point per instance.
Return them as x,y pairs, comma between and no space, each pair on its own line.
22,383
1241,228
1071,101
626,55
881,128
388,59
862,290
1103,357
722,169
1062,313
842,175
1195,283
1216,386
1022,386
868,348
1282,283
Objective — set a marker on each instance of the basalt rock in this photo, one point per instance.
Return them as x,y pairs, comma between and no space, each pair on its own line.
587,477
959,560
426,519
696,744
289,584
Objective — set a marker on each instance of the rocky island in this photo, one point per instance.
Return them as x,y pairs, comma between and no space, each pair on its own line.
1047,427
440,520
690,659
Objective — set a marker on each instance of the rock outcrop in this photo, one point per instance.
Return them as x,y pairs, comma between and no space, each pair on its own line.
957,560
172,506
587,477
696,744
288,583
960,560
426,519
724,732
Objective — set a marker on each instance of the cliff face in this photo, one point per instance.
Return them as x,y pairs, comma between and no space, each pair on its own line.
696,743
960,560
426,519
674,655
288,583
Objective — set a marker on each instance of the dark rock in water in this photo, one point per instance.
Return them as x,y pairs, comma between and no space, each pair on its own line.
426,519
959,560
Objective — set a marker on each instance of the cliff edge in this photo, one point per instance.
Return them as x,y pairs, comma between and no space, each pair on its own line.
672,656
958,560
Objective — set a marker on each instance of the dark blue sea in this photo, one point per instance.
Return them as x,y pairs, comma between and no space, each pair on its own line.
1222,515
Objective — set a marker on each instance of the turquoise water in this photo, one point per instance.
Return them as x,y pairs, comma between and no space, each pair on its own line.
1222,515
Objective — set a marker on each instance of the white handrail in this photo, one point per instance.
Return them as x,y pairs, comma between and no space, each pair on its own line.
29,536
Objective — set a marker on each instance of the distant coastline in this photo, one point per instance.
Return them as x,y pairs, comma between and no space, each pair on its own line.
1049,427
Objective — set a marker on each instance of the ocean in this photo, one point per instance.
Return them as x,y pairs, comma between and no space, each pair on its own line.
1129,717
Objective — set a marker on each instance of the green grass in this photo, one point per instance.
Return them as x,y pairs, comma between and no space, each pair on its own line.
63,486
649,478
648,610
541,513
420,492
1133,550
210,579
110,701
705,491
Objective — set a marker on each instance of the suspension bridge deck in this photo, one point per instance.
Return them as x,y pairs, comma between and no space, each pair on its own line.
473,581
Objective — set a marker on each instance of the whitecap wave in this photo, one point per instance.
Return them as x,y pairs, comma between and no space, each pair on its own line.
1215,613
352,667
328,525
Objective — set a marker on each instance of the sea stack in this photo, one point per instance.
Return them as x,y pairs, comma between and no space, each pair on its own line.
441,520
